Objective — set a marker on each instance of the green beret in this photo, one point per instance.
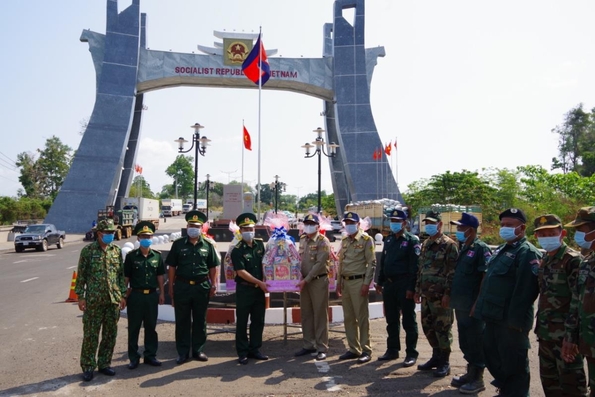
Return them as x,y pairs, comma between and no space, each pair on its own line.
196,217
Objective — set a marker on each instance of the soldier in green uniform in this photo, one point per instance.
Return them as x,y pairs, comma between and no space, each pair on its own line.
396,282
471,267
437,263
144,270
580,328
558,275
357,262
101,290
314,288
192,274
250,289
505,303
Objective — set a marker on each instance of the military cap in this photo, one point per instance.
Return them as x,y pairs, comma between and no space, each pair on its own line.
398,214
247,219
515,213
583,216
351,216
311,218
196,217
549,221
106,225
467,220
432,215
144,227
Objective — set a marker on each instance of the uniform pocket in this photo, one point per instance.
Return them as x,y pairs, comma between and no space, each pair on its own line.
493,307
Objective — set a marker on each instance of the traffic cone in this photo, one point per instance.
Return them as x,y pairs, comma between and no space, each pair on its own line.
72,297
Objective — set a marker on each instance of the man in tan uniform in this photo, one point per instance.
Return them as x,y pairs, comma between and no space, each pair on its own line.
314,288
357,262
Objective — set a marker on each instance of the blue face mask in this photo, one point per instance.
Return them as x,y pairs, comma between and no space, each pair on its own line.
550,243
193,232
396,227
508,233
248,236
351,229
431,229
146,242
107,238
579,239
461,236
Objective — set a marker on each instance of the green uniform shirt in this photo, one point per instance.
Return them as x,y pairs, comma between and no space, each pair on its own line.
437,262
471,267
100,274
357,256
192,261
248,258
580,324
314,253
399,259
510,286
142,271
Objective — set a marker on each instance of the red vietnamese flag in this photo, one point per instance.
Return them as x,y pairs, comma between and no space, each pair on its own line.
247,140
375,155
395,143
387,149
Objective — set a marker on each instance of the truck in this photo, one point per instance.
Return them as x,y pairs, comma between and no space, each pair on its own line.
378,212
39,237
123,219
171,207
448,212
144,209
186,208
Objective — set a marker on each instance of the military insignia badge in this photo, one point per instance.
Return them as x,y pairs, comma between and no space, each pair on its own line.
543,220
236,51
513,210
471,254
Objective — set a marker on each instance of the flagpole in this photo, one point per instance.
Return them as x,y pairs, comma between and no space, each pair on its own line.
242,148
396,165
259,108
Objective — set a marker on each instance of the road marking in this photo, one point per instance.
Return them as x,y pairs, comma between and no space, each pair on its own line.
71,267
29,279
24,260
331,385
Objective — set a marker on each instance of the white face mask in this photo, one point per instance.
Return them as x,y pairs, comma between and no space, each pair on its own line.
193,232
310,229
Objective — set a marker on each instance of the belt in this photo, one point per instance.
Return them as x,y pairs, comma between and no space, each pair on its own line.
353,277
145,291
192,282
248,284
320,276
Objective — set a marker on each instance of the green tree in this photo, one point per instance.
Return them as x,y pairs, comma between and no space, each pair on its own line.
29,177
140,188
576,140
182,171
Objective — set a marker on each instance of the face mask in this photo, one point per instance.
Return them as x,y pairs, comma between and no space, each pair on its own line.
309,229
351,229
461,236
107,238
507,233
146,242
432,229
193,232
550,243
396,227
579,238
247,236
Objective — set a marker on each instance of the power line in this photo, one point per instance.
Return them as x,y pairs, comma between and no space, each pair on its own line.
12,167
14,164
8,179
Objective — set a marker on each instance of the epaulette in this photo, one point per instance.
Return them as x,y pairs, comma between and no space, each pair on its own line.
366,236
210,241
238,244
573,253
258,239
304,235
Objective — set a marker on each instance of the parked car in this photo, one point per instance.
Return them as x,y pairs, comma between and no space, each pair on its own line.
39,237
337,226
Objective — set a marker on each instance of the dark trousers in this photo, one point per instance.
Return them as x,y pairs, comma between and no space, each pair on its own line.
506,358
249,304
395,304
190,308
142,310
471,338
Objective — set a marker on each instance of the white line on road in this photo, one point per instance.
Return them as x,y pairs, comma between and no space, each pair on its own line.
71,267
324,368
24,260
29,279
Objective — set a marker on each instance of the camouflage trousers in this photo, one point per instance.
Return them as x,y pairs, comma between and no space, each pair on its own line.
559,378
99,317
591,367
436,323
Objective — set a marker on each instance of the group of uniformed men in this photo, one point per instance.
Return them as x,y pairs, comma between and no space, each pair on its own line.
491,295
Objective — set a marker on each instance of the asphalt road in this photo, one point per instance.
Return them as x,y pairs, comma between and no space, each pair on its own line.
41,338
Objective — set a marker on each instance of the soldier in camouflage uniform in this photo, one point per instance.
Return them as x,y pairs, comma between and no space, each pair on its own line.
101,290
505,303
580,324
558,273
437,263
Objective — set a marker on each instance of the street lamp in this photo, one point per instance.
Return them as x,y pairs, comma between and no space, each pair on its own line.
277,186
200,147
207,187
331,151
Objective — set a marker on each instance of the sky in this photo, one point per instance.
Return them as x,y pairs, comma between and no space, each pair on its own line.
464,84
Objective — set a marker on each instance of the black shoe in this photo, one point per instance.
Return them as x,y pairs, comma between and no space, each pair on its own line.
107,371
389,355
409,361
431,364
348,355
258,356
321,356
152,362
134,364
200,356
182,359
87,376
243,360
303,352
364,358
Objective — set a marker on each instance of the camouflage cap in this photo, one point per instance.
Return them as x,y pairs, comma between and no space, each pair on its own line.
549,221
196,217
351,216
106,225
247,219
432,215
311,218
583,216
144,227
